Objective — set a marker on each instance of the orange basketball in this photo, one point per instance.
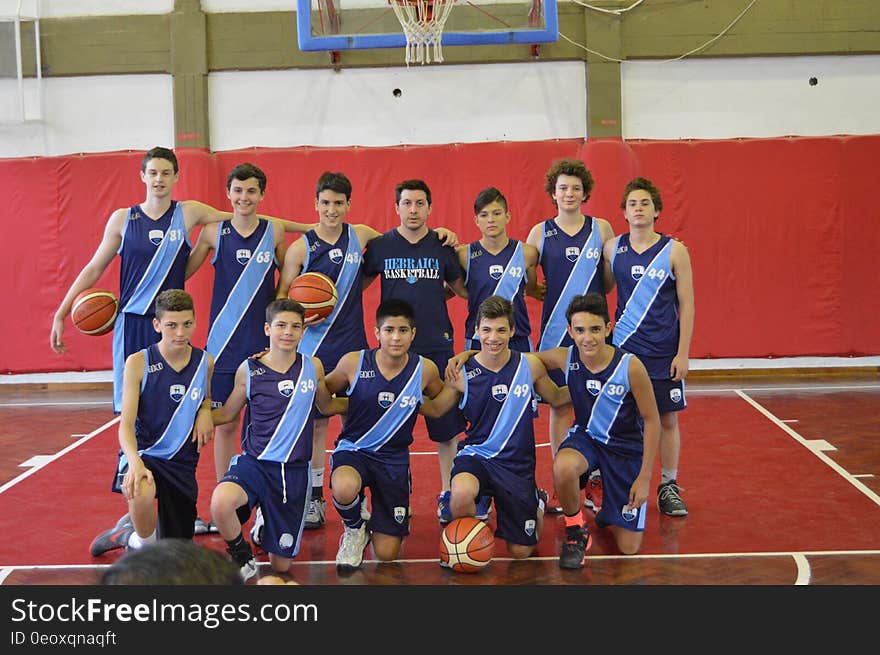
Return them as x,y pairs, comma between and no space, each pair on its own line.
315,292
94,311
466,545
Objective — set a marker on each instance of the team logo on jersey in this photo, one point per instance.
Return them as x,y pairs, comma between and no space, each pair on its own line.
243,255
499,392
285,540
629,513
496,271
399,514
155,237
286,387
675,395
637,271
177,391
385,399
594,387
474,372
335,255
572,253
529,527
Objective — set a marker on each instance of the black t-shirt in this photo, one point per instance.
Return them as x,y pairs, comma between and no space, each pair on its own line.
416,272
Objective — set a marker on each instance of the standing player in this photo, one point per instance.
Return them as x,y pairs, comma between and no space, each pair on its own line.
416,267
497,457
333,248
247,252
166,419
280,388
655,319
384,387
497,265
616,428
570,247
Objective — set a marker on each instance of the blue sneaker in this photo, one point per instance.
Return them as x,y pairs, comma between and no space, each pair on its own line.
484,507
444,512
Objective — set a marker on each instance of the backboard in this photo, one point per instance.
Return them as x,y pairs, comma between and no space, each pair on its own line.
363,24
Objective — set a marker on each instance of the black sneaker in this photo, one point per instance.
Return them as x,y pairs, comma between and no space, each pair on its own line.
574,551
115,537
669,500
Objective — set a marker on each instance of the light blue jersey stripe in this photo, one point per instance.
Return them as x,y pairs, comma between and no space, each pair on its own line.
643,295
395,415
579,280
151,282
180,427
518,400
242,294
297,414
315,334
610,400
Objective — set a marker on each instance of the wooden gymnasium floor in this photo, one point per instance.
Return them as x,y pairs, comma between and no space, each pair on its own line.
782,477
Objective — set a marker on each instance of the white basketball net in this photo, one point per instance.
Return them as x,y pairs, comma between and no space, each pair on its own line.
422,22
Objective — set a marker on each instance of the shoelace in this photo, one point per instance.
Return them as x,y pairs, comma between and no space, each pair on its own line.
672,491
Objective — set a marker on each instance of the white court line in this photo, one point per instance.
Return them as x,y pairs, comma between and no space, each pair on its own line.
553,558
843,387
57,404
803,568
810,445
52,458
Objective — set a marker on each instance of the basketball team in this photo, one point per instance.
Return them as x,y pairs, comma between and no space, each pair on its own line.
613,396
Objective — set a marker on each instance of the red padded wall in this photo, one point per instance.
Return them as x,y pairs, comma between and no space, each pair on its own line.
780,235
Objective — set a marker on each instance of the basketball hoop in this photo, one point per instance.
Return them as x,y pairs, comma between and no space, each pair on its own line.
422,22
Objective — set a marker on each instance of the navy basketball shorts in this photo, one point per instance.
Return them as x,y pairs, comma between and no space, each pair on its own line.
282,491
515,494
389,479
618,473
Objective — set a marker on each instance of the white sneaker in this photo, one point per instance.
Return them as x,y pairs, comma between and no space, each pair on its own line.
249,569
257,530
315,513
352,544
365,510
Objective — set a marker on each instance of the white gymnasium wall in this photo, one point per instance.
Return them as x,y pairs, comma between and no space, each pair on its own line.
751,97
99,113
693,98
67,8
436,104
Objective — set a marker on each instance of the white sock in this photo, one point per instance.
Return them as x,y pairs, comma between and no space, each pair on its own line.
668,475
318,478
135,541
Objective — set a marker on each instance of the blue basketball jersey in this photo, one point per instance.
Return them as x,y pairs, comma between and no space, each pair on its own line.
244,283
499,409
572,266
153,257
169,401
416,272
277,424
381,412
342,331
603,404
647,302
502,275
